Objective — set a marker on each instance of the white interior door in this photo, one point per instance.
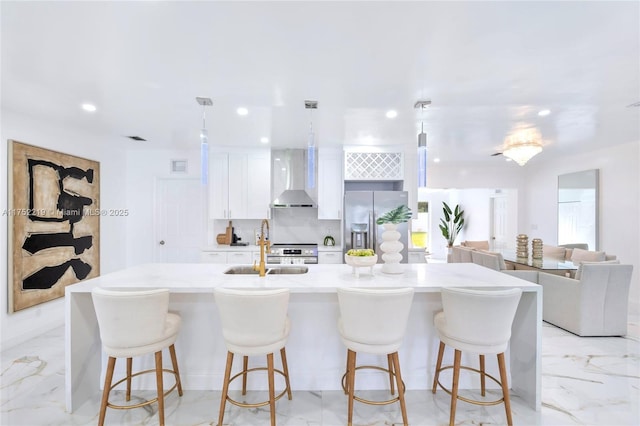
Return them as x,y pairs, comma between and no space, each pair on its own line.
180,227
498,223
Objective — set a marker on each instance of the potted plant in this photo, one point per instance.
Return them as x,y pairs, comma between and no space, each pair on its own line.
452,223
391,245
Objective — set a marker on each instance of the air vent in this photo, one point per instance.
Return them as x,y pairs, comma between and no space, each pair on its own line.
311,104
178,166
137,138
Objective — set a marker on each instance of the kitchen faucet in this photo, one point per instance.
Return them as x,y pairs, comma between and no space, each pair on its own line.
262,243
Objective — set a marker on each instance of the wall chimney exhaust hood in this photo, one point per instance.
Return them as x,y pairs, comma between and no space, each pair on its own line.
288,179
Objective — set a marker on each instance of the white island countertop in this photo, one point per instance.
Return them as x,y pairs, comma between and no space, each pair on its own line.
204,277
315,352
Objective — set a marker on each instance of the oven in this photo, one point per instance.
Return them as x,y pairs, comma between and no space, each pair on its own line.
293,254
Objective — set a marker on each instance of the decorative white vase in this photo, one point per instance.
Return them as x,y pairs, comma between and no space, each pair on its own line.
391,248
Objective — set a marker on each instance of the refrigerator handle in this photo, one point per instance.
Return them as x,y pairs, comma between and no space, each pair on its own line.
372,230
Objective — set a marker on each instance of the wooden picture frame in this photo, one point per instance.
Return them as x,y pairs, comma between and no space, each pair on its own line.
54,223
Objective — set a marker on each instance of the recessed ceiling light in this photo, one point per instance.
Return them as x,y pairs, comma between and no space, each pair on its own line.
89,107
242,111
264,140
507,159
392,113
544,112
436,160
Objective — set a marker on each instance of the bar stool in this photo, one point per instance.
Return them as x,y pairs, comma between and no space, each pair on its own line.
477,321
254,322
136,323
374,321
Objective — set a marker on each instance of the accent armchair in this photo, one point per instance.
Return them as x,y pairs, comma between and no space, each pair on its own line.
596,304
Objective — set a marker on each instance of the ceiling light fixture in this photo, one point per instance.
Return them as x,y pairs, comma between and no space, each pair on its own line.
392,113
544,112
311,146
242,111
204,141
264,140
422,146
89,107
522,145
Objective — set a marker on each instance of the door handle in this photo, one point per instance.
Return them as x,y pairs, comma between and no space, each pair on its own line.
161,242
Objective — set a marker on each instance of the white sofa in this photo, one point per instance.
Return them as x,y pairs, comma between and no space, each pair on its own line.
594,305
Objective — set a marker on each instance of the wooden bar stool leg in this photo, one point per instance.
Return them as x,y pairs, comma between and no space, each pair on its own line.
346,370
482,382
505,387
105,393
225,387
403,407
174,362
454,387
245,367
272,396
160,387
129,368
390,366
351,379
285,369
436,375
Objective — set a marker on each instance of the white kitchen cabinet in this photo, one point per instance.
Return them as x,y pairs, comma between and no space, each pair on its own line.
240,185
330,183
239,257
213,257
327,257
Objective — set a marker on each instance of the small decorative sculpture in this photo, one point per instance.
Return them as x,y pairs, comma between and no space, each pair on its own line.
522,242
536,249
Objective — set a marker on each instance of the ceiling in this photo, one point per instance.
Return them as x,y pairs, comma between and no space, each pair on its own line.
486,66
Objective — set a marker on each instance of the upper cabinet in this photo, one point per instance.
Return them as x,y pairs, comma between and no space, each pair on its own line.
240,184
330,183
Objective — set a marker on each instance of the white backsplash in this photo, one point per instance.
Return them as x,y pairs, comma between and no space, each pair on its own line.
292,225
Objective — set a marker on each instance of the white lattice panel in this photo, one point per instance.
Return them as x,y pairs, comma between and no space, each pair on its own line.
373,166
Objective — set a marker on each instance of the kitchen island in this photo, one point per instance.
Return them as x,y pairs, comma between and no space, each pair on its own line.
315,353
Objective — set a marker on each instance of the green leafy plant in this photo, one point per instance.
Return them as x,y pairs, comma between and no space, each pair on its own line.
452,223
398,215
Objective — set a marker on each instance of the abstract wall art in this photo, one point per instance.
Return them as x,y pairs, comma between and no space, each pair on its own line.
54,223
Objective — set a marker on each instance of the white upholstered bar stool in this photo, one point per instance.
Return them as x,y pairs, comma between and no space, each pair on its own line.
477,321
374,321
132,324
254,322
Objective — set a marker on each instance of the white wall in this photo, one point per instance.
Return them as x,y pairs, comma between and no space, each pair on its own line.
27,323
144,167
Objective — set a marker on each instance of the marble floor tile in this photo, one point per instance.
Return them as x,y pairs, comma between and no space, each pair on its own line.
585,381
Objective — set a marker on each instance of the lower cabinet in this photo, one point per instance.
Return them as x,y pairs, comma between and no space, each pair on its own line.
230,257
327,257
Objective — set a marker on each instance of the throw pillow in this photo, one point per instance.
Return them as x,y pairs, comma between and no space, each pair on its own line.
553,252
604,262
590,256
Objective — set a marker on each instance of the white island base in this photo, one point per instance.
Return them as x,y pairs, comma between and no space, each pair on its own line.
315,353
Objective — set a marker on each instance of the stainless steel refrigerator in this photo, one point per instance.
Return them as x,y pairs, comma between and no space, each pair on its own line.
362,209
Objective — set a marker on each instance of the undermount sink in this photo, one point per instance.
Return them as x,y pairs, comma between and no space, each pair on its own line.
277,270
242,270
288,270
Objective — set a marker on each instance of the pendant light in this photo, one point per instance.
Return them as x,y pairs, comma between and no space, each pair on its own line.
311,146
422,146
204,141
